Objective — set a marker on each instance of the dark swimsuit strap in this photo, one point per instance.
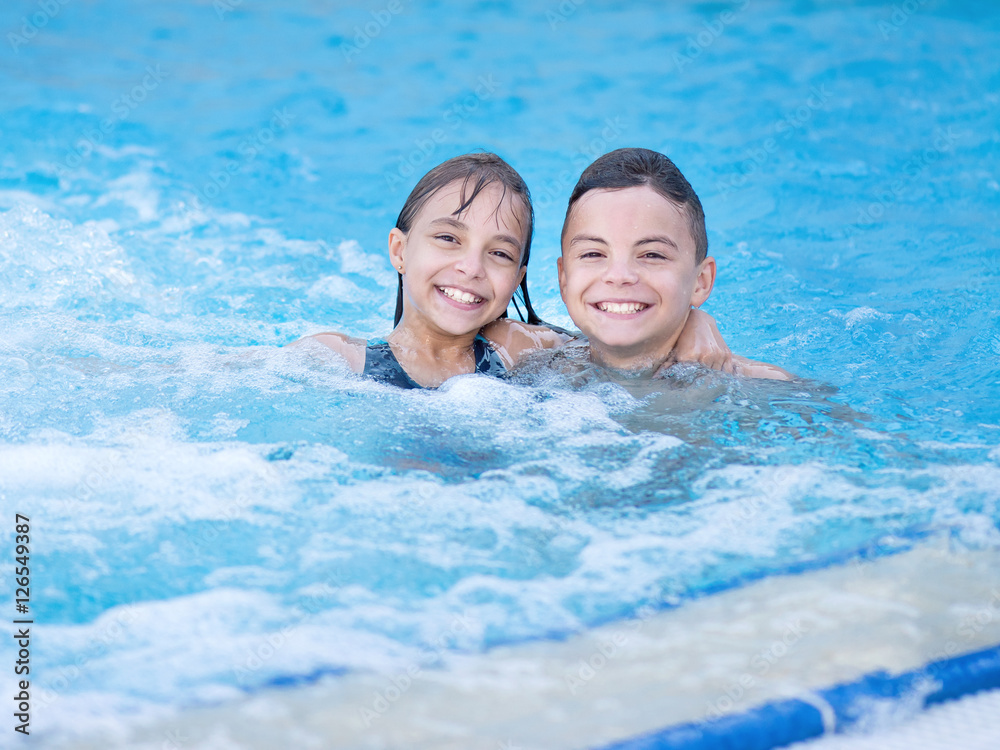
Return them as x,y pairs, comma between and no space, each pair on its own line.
381,364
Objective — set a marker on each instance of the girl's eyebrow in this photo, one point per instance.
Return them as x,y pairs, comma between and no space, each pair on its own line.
456,224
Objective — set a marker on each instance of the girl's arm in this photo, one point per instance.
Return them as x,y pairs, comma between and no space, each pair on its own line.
349,348
700,341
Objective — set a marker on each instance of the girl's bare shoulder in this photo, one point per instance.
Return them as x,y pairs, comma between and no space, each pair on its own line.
352,349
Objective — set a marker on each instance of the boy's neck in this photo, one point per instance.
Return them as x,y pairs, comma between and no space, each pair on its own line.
635,364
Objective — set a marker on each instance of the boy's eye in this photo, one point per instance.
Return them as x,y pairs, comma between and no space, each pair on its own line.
591,254
654,255
505,254
446,237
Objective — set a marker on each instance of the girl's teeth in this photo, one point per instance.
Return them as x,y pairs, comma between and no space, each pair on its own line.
622,308
459,296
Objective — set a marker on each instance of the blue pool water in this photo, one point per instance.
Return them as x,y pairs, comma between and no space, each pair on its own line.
187,186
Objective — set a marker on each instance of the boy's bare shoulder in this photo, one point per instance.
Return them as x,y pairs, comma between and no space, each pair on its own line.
514,339
350,348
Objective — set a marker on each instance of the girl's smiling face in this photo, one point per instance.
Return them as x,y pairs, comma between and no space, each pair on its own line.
628,274
460,270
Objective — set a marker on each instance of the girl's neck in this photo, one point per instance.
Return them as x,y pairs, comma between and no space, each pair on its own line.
431,357
432,342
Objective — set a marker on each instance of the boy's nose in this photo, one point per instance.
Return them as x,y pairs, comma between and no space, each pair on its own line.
621,271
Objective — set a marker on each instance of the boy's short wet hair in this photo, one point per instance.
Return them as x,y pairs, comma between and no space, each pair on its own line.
476,172
635,167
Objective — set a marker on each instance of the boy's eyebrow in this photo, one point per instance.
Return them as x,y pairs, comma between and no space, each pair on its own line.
588,238
455,223
659,238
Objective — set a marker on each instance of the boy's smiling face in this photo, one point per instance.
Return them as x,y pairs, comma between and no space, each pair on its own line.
628,274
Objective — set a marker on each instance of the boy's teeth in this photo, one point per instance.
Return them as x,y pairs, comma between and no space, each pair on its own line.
459,296
622,308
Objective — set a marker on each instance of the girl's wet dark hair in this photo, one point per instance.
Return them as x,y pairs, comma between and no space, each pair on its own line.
475,172
634,167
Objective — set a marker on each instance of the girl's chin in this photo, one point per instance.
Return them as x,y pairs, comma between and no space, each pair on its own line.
462,325
453,316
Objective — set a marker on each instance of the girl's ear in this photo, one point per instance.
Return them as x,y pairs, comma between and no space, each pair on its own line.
704,282
397,243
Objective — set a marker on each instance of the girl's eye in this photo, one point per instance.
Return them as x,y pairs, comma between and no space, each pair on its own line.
505,254
445,237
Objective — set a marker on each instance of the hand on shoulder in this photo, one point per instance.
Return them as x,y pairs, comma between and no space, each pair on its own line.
513,339
349,348
700,341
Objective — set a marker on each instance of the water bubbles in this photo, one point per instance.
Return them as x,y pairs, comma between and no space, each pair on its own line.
17,375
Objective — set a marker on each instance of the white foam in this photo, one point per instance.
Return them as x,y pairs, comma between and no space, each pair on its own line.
49,263
862,314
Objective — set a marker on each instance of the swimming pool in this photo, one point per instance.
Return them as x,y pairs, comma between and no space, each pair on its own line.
237,544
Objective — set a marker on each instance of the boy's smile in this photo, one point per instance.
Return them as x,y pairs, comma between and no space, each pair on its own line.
628,274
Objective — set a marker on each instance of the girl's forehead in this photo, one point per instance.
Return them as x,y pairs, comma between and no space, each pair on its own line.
494,205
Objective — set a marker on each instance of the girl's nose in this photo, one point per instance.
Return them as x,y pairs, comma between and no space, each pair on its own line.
471,263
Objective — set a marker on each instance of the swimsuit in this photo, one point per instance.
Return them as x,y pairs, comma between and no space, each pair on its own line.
381,364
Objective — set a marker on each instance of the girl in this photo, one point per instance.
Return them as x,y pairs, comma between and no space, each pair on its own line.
460,246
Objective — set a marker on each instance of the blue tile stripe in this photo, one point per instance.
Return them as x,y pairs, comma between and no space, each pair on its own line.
784,722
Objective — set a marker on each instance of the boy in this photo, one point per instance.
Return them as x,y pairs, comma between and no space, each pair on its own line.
635,264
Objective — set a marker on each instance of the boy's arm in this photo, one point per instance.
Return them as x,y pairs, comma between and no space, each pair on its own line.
700,341
513,339
751,368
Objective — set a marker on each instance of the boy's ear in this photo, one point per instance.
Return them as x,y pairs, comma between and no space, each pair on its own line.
703,282
562,277
397,243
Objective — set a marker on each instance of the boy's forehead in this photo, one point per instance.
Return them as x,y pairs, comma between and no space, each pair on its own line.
628,212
